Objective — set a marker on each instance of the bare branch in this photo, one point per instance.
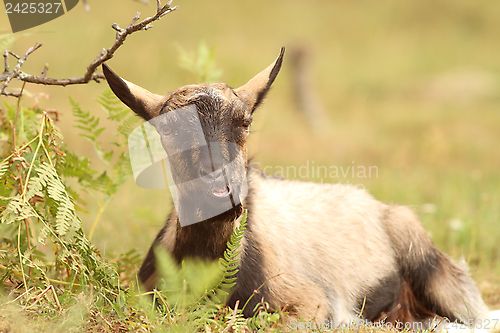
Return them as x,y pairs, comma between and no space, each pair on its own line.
14,55
8,76
6,61
9,93
121,35
103,56
45,70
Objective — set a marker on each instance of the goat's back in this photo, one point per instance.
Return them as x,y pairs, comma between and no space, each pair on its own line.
323,246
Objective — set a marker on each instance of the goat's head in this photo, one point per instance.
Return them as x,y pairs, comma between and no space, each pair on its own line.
203,129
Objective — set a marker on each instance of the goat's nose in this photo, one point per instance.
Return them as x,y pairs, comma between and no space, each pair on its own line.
210,175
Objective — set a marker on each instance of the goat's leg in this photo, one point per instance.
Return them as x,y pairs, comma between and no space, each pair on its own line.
439,286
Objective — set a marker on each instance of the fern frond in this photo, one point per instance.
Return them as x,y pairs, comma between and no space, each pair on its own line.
35,201
35,263
87,123
66,218
230,261
78,167
122,171
201,64
43,234
4,166
36,184
128,125
200,287
17,209
48,178
112,106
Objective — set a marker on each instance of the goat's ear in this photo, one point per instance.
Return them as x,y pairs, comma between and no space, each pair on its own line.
254,91
144,103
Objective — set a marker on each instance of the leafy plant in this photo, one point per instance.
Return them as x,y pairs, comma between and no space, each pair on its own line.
193,295
201,64
47,258
49,264
43,244
108,181
43,241
266,319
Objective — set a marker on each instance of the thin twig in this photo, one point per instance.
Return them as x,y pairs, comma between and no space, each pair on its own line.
63,283
40,142
18,297
17,69
39,297
165,304
256,291
17,114
90,75
6,61
105,320
21,257
233,317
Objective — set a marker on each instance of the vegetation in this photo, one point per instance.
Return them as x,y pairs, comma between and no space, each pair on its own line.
48,265
411,88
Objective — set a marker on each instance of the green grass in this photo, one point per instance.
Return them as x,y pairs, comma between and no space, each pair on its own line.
411,88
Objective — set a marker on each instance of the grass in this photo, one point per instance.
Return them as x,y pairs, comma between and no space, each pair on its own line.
411,88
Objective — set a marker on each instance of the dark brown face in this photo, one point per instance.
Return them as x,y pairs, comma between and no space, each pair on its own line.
203,130
222,115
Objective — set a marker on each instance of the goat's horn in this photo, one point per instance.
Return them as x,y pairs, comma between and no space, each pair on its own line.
254,91
141,101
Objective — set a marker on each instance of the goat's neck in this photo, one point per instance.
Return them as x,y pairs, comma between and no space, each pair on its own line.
207,239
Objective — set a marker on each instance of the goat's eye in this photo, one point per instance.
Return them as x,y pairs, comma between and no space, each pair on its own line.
166,129
246,124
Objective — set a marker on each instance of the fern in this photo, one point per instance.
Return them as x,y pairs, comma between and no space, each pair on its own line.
48,178
89,126
40,208
128,125
108,181
91,131
202,64
112,106
125,121
4,166
194,294
17,210
78,167
230,261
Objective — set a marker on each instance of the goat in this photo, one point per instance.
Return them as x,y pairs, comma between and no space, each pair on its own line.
320,251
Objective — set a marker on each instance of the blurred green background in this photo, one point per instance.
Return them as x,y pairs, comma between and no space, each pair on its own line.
409,87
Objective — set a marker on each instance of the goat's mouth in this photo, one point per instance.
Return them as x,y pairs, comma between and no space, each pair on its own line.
221,192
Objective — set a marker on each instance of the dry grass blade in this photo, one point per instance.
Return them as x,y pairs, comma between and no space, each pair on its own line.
39,297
